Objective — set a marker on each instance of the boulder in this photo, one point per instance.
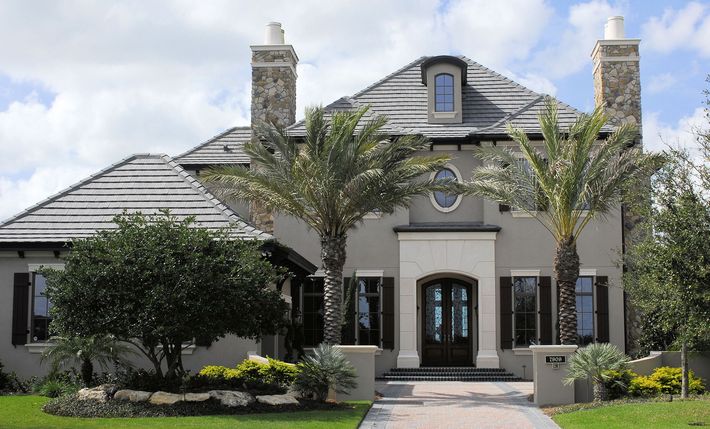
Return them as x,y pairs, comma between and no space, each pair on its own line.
277,399
196,397
132,395
231,398
92,394
165,398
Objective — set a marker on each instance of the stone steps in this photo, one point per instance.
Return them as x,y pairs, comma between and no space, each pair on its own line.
449,374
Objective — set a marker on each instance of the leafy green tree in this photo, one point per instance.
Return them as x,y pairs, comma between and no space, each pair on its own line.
158,283
345,169
595,362
85,351
575,179
669,271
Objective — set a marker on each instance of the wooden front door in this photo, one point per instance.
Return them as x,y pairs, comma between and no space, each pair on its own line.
446,323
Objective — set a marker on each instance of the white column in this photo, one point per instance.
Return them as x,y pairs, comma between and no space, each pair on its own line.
408,356
487,330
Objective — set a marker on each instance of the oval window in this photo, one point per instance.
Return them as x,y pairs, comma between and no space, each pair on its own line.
442,199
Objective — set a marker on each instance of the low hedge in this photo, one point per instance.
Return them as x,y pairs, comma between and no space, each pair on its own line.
663,380
275,376
70,406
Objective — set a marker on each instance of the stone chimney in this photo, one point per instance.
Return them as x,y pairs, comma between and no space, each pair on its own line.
617,84
273,95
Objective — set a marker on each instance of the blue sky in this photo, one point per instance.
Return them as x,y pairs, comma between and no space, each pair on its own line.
85,84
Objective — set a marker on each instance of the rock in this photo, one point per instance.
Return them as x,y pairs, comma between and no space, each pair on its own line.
92,394
231,398
110,389
132,395
277,399
196,397
165,398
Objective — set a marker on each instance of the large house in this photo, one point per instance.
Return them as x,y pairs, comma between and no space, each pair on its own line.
451,281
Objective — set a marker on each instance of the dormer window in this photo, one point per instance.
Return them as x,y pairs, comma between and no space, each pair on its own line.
444,92
444,76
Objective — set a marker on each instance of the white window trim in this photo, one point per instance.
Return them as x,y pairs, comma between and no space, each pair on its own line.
523,214
459,197
33,268
369,273
588,272
524,273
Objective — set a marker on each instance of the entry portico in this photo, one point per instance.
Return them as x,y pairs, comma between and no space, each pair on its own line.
428,251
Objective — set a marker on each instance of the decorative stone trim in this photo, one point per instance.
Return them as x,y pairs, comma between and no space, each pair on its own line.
369,273
38,348
525,273
522,351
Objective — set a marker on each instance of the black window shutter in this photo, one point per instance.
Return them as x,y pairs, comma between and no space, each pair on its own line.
503,208
349,328
20,303
602,287
506,313
545,310
388,313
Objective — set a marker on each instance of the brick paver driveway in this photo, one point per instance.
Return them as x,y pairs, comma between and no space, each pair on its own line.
455,405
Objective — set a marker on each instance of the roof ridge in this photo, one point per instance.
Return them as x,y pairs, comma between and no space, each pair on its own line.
512,115
218,204
212,139
75,186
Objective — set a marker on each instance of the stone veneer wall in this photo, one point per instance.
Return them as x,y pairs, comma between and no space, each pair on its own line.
617,88
273,102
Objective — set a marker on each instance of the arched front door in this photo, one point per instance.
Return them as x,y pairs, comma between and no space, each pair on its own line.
447,316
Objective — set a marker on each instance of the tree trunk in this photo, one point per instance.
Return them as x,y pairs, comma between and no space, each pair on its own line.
566,272
599,390
333,256
684,370
87,372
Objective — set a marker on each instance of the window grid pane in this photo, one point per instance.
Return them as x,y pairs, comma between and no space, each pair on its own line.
585,310
444,93
40,309
525,310
368,308
313,311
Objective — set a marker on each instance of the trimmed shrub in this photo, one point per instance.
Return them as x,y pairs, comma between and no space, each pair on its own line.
644,386
670,379
4,379
278,372
617,383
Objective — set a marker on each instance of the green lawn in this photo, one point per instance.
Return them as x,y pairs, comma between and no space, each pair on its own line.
24,412
678,414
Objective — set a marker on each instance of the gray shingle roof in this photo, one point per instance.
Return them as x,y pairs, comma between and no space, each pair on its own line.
489,102
225,148
145,183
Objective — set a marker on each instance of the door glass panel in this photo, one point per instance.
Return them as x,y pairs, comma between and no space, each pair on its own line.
433,310
459,314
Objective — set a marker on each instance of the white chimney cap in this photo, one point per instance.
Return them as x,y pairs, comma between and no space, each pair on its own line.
274,34
614,28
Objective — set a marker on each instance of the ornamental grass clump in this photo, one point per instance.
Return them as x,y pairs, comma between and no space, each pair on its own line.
326,369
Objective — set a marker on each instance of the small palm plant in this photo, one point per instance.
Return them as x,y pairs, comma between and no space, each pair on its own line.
592,363
85,351
327,369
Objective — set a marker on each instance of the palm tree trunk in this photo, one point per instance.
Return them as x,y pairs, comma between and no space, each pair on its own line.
333,256
599,390
684,370
567,271
87,372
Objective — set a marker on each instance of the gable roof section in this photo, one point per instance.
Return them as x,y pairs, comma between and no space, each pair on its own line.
225,148
489,102
145,183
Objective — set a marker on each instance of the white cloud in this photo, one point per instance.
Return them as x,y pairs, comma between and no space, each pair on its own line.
686,28
658,136
583,27
661,82
162,76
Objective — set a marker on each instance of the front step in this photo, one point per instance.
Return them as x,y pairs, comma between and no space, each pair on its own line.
448,374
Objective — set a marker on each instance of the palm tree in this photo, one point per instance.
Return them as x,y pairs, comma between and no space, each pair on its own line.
592,362
84,351
343,170
575,180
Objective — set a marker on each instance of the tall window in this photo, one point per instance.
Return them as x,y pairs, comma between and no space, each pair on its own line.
368,311
442,199
312,311
444,92
585,310
525,310
40,309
